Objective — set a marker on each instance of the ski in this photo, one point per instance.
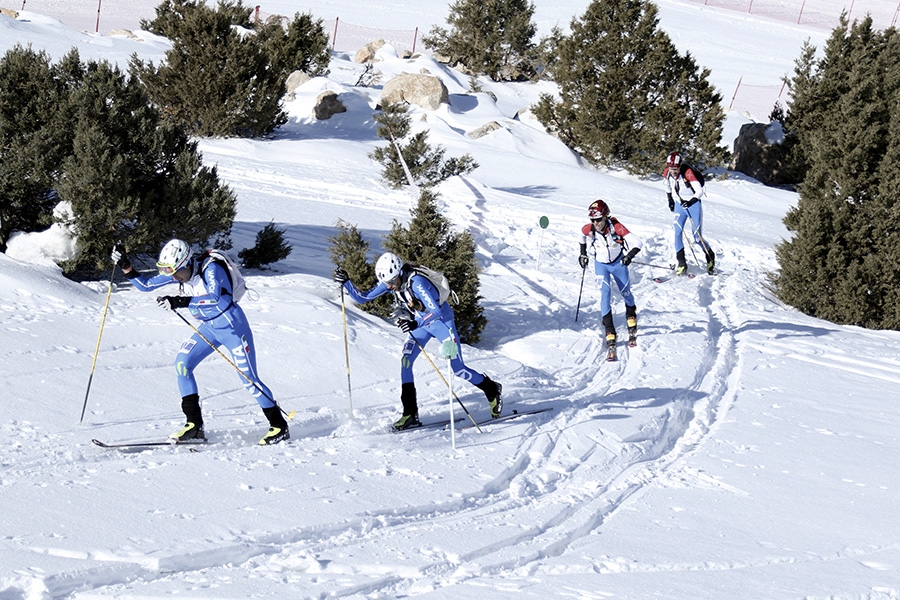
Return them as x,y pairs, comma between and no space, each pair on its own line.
126,445
513,415
668,277
429,425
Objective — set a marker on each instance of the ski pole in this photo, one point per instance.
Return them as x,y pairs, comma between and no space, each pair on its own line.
450,352
97,348
347,352
646,264
290,415
703,243
581,287
425,354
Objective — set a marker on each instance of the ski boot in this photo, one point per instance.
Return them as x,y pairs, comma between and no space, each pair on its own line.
611,347
410,416
681,267
278,427
493,391
407,422
631,321
193,427
710,262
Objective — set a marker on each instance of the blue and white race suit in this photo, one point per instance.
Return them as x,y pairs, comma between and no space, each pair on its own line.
222,323
435,320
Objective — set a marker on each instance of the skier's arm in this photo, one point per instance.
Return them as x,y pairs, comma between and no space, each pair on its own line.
145,283
362,298
690,177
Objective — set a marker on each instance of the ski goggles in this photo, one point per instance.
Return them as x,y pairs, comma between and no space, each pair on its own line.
166,269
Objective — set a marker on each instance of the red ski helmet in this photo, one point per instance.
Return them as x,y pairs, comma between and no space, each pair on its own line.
673,161
598,209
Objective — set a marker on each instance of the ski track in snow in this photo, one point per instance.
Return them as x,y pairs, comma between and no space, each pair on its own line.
557,487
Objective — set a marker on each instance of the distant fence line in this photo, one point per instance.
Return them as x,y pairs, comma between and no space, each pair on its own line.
757,101
815,13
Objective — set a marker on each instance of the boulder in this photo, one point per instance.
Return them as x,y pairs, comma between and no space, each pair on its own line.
366,54
484,130
759,153
294,80
327,105
426,91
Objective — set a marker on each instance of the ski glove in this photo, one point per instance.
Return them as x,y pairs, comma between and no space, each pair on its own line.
449,349
340,276
407,325
583,261
671,202
173,302
120,257
626,260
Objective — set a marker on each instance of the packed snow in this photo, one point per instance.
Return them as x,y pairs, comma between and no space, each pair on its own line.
741,450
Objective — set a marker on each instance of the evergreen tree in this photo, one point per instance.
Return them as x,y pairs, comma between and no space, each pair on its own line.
301,45
33,140
133,178
627,96
270,247
217,80
493,37
426,164
834,267
429,241
349,251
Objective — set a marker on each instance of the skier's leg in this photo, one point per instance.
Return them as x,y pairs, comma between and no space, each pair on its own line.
191,354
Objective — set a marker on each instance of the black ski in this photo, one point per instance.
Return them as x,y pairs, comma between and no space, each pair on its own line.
429,425
513,415
126,445
668,277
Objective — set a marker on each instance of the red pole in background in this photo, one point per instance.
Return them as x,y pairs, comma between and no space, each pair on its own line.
23,5
415,37
893,22
735,92
97,28
334,37
800,16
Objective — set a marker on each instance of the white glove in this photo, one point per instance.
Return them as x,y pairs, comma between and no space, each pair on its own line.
449,349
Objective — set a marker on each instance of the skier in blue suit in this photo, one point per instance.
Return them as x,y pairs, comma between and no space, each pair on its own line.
422,316
206,291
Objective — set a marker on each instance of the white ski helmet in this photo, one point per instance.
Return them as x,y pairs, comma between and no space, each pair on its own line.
388,267
174,256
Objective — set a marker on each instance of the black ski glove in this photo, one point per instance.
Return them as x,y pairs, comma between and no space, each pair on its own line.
120,257
407,325
173,302
340,276
626,260
671,201
583,261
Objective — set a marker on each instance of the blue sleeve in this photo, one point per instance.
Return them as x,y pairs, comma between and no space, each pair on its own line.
146,283
362,298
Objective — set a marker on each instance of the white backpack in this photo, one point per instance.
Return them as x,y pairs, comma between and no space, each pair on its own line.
238,285
440,281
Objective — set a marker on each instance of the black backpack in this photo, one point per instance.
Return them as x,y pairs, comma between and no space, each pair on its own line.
697,172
